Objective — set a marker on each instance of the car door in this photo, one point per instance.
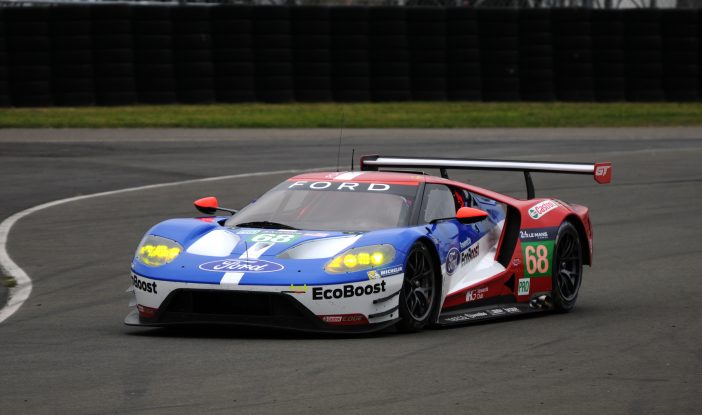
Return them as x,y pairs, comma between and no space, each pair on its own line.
437,214
478,242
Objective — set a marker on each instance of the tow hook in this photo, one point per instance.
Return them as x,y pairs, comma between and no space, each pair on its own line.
542,301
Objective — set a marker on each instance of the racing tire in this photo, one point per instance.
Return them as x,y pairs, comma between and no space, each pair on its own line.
420,293
567,268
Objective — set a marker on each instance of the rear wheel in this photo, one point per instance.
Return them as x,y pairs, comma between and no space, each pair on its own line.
419,297
568,268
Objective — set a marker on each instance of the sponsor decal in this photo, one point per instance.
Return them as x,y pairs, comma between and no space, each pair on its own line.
465,244
345,319
385,272
241,265
343,186
601,171
482,314
478,294
523,286
538,234
537,258
248,231
331,319
283,237
149,287
347,291
470,254
542,208
296,289
452,259
471,316
390,271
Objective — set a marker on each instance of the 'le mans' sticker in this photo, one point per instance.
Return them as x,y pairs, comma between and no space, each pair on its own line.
537,250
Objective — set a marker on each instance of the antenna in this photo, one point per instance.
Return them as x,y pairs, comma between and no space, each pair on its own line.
353,153
341,133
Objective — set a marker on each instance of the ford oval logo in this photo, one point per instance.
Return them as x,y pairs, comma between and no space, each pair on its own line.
241,265
452,259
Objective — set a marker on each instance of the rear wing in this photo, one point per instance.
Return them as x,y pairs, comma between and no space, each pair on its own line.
602,172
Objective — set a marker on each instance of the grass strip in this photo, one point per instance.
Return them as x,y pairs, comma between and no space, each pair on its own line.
373,115
8,282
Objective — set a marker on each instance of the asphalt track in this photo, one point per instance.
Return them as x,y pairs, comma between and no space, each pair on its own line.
632,345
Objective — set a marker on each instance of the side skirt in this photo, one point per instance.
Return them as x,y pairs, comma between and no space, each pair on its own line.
487,312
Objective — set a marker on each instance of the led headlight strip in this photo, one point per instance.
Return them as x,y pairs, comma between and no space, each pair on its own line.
358,259
156,251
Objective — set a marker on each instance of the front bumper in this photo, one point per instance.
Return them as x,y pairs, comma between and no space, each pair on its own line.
358,307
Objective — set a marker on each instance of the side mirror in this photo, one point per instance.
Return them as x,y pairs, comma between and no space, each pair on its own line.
207,205
210,205
467,215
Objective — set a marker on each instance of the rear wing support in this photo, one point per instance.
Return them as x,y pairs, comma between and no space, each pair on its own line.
602,172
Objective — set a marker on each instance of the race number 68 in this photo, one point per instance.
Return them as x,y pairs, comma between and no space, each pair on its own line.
270,237
536,259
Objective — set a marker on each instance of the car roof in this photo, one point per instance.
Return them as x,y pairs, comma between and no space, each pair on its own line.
409,178
366,176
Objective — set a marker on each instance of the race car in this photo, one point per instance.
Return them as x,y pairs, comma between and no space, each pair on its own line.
360,251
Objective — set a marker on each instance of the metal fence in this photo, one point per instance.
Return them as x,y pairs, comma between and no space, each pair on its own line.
515,4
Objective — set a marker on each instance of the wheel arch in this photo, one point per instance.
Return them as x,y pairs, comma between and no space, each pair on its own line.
437,268
582,236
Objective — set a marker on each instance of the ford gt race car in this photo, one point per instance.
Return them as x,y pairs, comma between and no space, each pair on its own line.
363,250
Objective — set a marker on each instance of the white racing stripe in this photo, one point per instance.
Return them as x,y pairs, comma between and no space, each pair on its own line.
20,293
231,278
256,250
348,175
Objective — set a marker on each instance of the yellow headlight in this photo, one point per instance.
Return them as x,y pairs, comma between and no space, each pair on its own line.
350,261
377,258
155,251
335,263
358,259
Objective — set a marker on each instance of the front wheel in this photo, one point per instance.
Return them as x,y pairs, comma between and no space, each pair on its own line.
568,269
419,297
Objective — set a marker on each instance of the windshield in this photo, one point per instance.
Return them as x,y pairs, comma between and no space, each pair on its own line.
330,206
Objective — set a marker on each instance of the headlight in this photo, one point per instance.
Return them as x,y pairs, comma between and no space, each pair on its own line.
358,259
155,251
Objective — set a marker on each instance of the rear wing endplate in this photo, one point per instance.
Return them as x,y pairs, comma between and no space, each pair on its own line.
602,172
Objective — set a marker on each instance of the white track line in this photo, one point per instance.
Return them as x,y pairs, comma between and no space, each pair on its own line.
20,293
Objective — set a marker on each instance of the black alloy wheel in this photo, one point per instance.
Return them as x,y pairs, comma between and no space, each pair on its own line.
568,268
420,293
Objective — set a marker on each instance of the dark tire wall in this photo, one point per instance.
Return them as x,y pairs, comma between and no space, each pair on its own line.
71,55
113,55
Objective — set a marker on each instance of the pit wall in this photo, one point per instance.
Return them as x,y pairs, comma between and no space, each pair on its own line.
121,54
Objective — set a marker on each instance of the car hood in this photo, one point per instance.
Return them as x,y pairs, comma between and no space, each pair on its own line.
213,254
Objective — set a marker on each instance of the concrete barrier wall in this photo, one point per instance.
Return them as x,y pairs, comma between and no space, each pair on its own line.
121,54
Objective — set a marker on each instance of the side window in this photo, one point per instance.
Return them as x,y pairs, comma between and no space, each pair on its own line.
496,210
438,203
463,198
